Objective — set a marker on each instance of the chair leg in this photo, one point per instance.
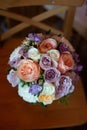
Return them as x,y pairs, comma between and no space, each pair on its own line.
69,22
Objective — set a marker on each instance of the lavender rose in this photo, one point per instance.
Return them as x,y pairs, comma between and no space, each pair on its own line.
12,78
45,62
14,58
65,86
23,51
14,63
52,74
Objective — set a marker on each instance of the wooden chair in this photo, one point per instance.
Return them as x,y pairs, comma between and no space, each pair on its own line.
67,5
14,112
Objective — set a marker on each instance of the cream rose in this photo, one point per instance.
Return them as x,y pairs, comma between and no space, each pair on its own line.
48,94
54,54
28,70
48,88
34,54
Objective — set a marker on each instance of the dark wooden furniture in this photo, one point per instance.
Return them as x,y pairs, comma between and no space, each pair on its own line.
69,6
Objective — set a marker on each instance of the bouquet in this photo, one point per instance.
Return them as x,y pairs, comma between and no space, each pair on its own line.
44,67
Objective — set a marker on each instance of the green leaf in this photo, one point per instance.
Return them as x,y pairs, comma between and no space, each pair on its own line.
22,82
64,100
14,68
41,81
41,76
33,43
25,83
26,49
29,84
42,105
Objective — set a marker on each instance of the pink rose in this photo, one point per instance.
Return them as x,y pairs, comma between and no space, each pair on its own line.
65,62
28,70
47,44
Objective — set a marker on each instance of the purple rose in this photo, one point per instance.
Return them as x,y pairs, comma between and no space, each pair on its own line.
65,86
77,68
52,74
74,77
76,57
23,51
45,62
35,89
63,48
12,78
14,62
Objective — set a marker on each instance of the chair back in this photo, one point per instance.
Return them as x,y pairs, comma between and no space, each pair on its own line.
66,5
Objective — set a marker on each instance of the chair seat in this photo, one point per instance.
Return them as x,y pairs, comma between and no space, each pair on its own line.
17,114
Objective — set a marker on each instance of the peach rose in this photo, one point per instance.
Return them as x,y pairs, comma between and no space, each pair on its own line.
28,70
46,99
47,44
65,62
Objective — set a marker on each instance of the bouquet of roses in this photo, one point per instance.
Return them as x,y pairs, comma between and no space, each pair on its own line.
44,67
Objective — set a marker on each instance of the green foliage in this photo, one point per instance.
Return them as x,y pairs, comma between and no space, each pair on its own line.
26,49
64,100
25,83
41,76
42,105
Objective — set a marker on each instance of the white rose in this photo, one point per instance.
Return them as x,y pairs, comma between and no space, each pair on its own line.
24,93
15,54
54,54
34,54
48,88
